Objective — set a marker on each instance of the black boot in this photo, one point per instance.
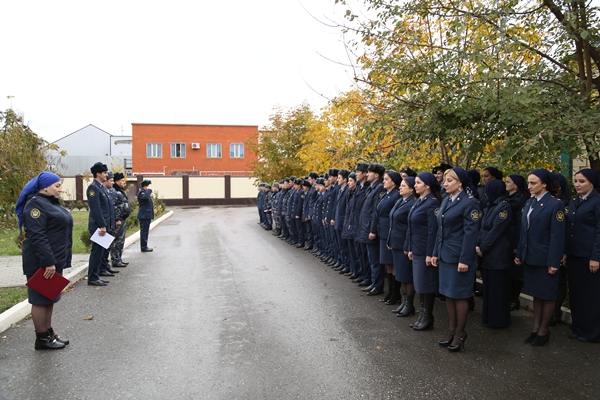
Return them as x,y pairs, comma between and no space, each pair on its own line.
389,287
427,320
409,308
421,311
402,305
43,341
58,339
395,297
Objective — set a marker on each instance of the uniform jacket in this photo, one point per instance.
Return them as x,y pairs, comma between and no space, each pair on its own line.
348,231
382,211
494,241
422,226
146,210
583,227
340,209
368,220
312,200
282,201
542,241
121,203
517,201
319,208
360,194
102,210
332,201
458,229
298,203
399,222
48,234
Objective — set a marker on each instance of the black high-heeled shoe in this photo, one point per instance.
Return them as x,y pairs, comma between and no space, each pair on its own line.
461,344
530,338
446,342
541,340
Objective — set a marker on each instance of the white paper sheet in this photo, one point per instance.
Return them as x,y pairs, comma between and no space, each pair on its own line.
103,241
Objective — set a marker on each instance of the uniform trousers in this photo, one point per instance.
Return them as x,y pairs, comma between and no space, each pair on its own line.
362,261
344,250
299,230
376,269
310,241
97,254
116,248
144,231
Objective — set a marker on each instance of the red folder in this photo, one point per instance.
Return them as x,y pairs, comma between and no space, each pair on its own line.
49,288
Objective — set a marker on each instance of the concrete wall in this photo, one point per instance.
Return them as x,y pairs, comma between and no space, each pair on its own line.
207,187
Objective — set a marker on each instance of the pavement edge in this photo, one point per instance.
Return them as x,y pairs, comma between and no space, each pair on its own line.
20,311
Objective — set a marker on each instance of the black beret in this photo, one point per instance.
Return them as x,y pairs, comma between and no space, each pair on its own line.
119,176
146,182
495,172
98,167
313,175
333,172
306,183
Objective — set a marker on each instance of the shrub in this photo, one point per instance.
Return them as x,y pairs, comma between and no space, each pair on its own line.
85,239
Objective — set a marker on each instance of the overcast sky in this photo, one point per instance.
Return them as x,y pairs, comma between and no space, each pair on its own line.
112,63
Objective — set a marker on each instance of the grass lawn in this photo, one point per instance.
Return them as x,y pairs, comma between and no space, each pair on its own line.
8,245
11,296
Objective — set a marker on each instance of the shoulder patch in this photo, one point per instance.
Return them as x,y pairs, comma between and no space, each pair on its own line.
436,212
474,215
560,216
503,214
35,213
92,193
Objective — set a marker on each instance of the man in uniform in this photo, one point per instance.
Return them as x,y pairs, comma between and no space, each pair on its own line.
145,213
122,211
101,218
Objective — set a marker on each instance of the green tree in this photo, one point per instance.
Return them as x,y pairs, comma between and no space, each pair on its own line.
489,81
278,144
22,156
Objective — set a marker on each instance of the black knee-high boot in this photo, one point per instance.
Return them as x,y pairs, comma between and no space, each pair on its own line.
421,311
427,320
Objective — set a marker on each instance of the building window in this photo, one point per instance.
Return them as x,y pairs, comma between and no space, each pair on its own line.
177,150
236,150
153,150
213,150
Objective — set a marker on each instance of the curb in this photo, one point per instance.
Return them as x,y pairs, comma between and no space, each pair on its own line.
21,310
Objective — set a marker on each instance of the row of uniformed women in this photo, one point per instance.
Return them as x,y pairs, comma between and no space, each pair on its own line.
449,236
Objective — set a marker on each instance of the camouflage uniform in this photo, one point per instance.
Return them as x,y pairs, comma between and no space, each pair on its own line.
122,211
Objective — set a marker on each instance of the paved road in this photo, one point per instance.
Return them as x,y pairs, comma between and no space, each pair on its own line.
223,310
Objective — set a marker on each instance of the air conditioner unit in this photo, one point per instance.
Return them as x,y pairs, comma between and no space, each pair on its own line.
195,145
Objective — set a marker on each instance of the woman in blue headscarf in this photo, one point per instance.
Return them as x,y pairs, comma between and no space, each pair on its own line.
582,257
493,245
541,244
47,245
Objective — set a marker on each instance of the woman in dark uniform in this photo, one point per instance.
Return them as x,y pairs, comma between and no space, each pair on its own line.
541,244
582,257
455,253
348,231
516,186
403,273
493,245
47,245
391,181
420,240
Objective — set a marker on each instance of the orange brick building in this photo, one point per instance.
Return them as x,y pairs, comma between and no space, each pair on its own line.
204,150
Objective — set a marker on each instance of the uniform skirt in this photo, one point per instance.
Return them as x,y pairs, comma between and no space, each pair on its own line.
402,266
454,284
37,299
584,297
385,254
425,277
539,283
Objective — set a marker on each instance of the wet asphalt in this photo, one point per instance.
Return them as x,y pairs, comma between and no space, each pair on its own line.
224,310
